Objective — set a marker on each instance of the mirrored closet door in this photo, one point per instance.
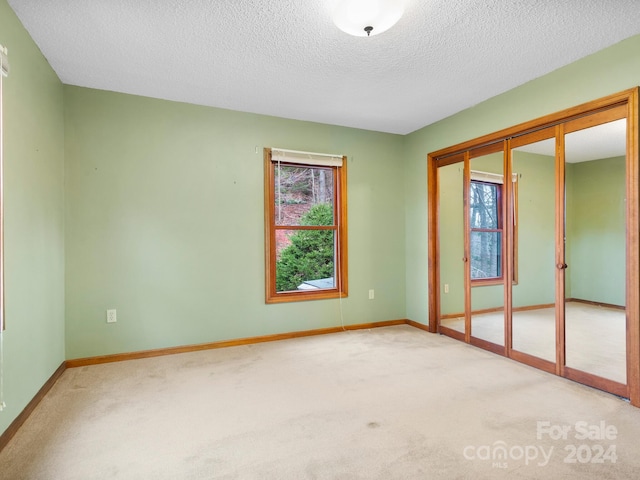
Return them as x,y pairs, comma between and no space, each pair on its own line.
451,227
533,317
595,262
485,228
534,243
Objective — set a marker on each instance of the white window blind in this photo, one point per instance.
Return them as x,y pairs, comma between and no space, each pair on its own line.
490,177
308,158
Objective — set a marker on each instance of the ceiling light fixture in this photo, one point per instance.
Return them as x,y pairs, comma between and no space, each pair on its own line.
364,18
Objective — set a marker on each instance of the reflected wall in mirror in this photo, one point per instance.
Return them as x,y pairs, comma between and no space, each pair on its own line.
451,227
533,297
595,250
486,238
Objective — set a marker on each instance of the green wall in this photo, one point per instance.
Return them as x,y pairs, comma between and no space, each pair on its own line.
451,226
164,222
596,234
608,71
536,229
34,219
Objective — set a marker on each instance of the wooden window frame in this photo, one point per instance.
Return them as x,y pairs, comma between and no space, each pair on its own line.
339,226
500,229
477,282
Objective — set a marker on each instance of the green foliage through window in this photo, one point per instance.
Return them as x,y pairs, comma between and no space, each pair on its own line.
310,255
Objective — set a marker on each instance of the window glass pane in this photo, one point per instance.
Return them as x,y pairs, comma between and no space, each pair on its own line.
486,249
303,195
305,260
483,205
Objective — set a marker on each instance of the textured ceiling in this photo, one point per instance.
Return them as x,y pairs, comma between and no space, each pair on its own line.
286,57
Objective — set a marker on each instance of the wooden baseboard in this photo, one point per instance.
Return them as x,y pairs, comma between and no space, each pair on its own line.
22,417
526,308
596,304
449,316
118,357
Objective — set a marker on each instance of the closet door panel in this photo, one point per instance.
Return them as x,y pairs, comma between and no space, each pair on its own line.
533,323
451,246
595,250
486,233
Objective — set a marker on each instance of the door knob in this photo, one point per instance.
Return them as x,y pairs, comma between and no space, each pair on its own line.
562,266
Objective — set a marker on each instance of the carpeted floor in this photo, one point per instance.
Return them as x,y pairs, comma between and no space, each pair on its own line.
388,403
596,340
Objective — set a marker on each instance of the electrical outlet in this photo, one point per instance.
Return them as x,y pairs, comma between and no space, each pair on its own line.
446,288
371,294
111,316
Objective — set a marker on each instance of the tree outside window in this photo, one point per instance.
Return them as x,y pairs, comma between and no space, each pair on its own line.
485,220
304,258
306,230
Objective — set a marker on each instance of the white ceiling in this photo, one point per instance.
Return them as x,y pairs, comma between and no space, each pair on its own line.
286,58
607,140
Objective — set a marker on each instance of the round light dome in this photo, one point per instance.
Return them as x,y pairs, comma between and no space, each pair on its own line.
363,18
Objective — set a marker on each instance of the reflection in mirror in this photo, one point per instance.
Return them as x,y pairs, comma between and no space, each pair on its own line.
595,229
451,218
486,232
533,296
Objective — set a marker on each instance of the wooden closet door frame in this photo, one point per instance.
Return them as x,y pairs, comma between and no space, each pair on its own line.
631,186
470,155
633,251
537,362
627,99
434,247
560,251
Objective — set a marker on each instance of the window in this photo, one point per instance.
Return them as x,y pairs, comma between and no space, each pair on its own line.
486,224
485,220
305,226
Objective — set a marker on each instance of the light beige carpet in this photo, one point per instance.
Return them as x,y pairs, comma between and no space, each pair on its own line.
388,403
595,336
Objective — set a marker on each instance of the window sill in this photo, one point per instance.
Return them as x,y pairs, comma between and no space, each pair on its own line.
304,296
489,282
